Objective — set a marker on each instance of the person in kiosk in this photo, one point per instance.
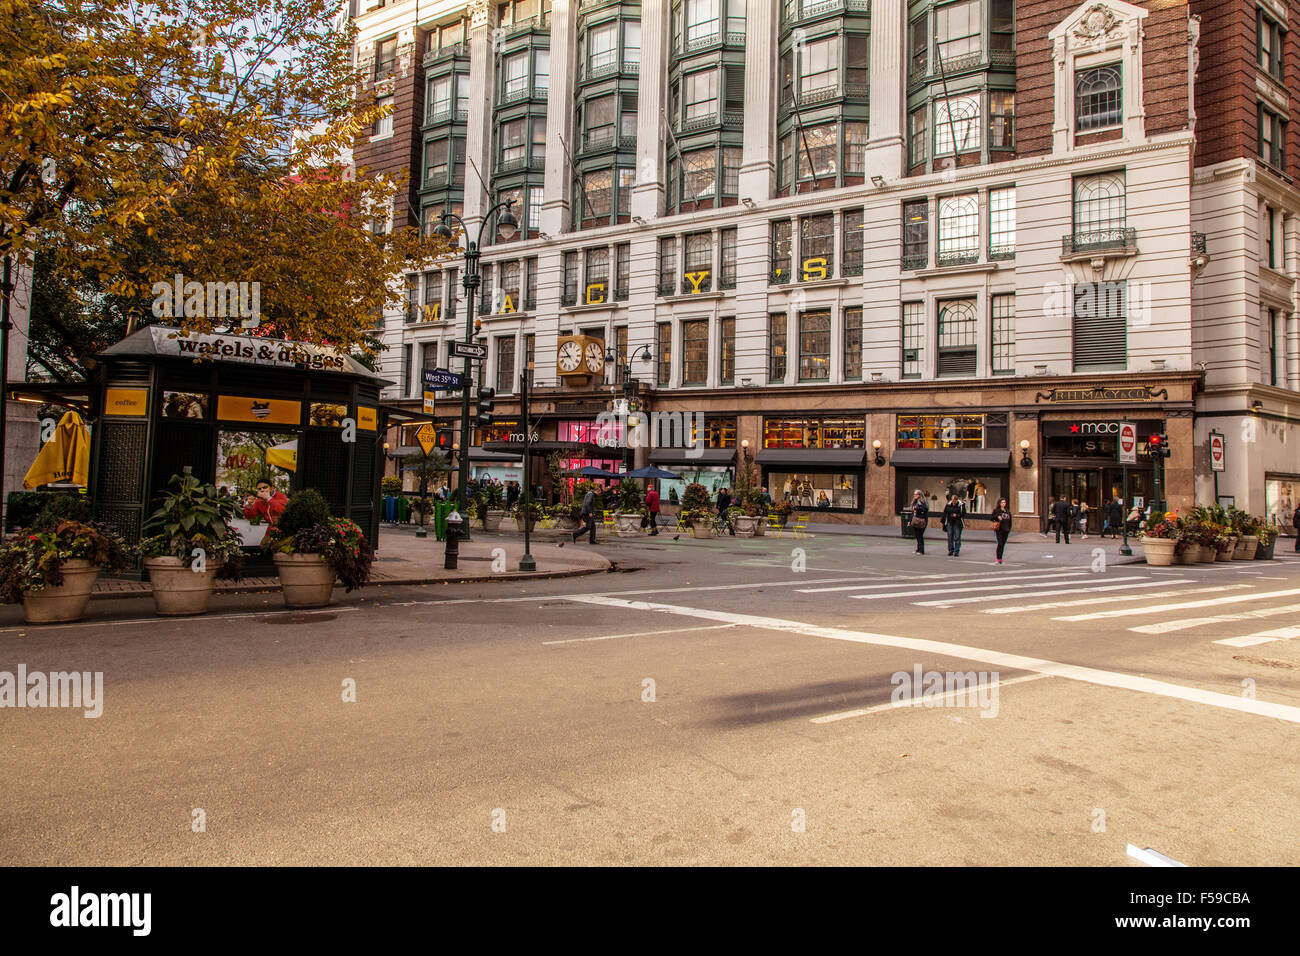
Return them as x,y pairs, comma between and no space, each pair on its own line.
266,505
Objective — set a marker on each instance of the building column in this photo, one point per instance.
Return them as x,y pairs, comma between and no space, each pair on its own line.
559,118
1291,336
886,146
478,135
651,97
762,64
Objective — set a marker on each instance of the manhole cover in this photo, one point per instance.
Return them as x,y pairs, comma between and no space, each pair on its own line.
298,618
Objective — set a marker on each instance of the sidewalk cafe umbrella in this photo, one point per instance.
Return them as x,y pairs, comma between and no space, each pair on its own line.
652,472
64,458
591,471
284,456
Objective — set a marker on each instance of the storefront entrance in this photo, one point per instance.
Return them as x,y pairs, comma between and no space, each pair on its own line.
1100,485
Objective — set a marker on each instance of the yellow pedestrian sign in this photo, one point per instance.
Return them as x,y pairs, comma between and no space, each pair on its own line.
427,437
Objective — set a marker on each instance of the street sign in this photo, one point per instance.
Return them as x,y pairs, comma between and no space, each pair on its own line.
468,350
430,402
427,437
1218,452
439,380
1128,443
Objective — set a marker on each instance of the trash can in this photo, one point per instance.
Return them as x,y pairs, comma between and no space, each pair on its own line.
440,511
906,519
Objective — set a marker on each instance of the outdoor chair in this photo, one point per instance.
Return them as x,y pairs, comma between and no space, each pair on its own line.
774,526
801,527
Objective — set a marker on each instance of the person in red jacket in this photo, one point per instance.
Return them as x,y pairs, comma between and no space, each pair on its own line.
267,504
652,507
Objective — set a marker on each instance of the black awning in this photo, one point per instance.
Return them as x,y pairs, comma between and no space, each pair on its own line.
686,457
480,454
814,457
951,458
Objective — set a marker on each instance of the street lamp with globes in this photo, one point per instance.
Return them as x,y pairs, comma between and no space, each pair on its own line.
507,226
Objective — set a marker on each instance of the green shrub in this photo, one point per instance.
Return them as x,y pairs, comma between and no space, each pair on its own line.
42,509
631,499
306,509
390,485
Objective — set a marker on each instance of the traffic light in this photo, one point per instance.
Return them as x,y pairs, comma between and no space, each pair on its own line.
1159,445
442,439
485,404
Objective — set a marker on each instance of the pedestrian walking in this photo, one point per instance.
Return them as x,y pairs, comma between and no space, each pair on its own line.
652,510
1001,526
1061,516
1049,522
1115,517
1295,523
920,518
724,503
954,513
588,517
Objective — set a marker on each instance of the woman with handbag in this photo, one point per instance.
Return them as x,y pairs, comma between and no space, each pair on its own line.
920,518
1001,526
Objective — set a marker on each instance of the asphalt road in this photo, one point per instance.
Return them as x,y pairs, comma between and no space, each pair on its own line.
717,702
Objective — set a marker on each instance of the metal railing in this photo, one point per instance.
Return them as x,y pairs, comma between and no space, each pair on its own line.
915,262
960,258
1002,250
1198,243
1099,240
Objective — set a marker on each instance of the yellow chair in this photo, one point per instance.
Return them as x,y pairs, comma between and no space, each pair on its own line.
801,527
547,521
609,521
774,528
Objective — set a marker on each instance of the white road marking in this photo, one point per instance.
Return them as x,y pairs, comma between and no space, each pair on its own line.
984,589
998,659
1150,857
1263,637
1091,602
134,621
919,701
1185,606
1165,627
920,580
1007,597
614,637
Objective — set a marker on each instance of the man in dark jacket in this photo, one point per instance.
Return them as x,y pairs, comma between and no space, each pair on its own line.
724,502
953,513
1115,517
1061,516
588,516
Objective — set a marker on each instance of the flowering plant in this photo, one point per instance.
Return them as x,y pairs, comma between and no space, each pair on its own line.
32,560
1168,526
191,517
340,541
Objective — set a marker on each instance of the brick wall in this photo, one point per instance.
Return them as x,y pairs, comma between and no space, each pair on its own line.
1164,69
402,152
1227,122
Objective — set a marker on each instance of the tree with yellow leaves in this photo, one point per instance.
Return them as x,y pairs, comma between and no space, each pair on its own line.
205,138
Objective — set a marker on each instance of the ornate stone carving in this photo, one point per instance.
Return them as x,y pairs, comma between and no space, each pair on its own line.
1099,21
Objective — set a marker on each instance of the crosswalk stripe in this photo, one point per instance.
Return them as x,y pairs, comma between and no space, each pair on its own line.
920,579
1165,627
1010,597
1184,606
1263,637
989,587
1050,605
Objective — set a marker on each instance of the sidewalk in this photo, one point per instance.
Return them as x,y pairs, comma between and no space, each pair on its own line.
405,559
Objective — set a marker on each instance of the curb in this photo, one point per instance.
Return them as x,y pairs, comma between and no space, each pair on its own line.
395,582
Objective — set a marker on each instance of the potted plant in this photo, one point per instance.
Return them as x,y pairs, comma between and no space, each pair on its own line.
629,511
1267,534
190,542
310,549
526,515
696,510
488,498
1162,539
51,567
1246,527
782,510
748,518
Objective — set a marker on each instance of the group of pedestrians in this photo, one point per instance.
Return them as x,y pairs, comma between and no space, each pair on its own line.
954,523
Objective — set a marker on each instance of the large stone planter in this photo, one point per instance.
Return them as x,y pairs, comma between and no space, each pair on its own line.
1189,555
492,519
68,601
305,579
627,525
1265,551
748,526
1225,553
567,524
1159,551
702,529
531,523
1206,555
177,589
1247,545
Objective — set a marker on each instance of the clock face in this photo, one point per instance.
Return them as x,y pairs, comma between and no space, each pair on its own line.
570,356
595,356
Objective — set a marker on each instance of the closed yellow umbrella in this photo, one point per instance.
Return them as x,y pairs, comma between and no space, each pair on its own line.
284,456
65,458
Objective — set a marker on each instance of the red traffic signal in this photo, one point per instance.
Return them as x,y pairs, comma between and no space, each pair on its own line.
442,439
1159,445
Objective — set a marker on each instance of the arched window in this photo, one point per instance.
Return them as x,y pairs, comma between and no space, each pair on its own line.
1098,97
1099,203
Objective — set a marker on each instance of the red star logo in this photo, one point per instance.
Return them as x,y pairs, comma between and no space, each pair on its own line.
1074,428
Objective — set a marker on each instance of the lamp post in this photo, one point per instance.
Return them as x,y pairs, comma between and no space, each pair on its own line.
507,225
